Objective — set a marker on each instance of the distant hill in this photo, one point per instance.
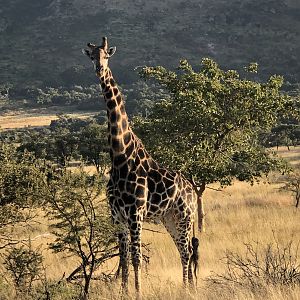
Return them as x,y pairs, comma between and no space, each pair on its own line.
40,41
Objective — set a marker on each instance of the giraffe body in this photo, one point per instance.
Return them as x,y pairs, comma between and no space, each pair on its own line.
139,189
141,185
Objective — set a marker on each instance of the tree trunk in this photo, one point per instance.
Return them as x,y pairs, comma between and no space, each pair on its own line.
201,226
199,191
84,296
86,288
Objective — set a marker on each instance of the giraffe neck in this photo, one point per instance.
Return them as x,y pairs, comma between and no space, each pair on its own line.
120,137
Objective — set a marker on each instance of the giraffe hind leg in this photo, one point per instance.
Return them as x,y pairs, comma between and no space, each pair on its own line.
181,232
185,250
124,258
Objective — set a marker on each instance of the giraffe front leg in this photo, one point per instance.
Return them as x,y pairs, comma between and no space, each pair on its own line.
135,227
124,257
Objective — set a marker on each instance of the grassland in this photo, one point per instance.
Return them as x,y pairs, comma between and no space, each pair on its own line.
37,117
236,215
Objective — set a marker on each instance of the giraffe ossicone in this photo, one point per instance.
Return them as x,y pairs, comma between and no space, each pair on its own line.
139,188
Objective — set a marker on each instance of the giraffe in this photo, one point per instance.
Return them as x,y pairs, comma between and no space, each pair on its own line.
139,189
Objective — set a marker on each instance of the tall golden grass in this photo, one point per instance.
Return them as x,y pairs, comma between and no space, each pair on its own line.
238,214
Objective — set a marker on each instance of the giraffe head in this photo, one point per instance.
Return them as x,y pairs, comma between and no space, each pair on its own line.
100,55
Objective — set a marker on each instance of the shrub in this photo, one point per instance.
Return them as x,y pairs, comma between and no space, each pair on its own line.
81,223
292,184
24,266
259,267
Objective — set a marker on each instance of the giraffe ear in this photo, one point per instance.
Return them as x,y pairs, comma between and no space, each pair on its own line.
91,46
111,51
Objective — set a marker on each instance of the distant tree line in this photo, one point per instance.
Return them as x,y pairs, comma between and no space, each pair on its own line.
140,96
282,135
66,139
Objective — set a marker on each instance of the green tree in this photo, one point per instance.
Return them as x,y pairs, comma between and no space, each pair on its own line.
21,188
209,126
68,138
36,142
20,180
24,266
283,135
93,146
292,185
81,222
63,145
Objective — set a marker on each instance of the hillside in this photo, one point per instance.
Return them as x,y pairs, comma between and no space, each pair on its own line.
40,41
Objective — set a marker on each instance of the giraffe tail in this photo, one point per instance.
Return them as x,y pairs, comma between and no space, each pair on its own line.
195,256
195,241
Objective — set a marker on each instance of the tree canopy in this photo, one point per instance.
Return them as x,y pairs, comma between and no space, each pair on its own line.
208,125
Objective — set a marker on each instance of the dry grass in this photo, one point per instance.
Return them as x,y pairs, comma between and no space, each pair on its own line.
293,155
37,117
240,213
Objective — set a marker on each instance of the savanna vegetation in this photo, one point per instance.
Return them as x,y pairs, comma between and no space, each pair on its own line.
228,125
56,237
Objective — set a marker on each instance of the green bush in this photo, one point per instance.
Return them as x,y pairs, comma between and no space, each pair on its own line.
81,223
24,265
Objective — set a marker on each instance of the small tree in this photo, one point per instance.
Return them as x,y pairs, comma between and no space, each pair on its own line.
63,145
292,184
20,180
81,222
21,186
24,266
208,126
93,146
282,135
